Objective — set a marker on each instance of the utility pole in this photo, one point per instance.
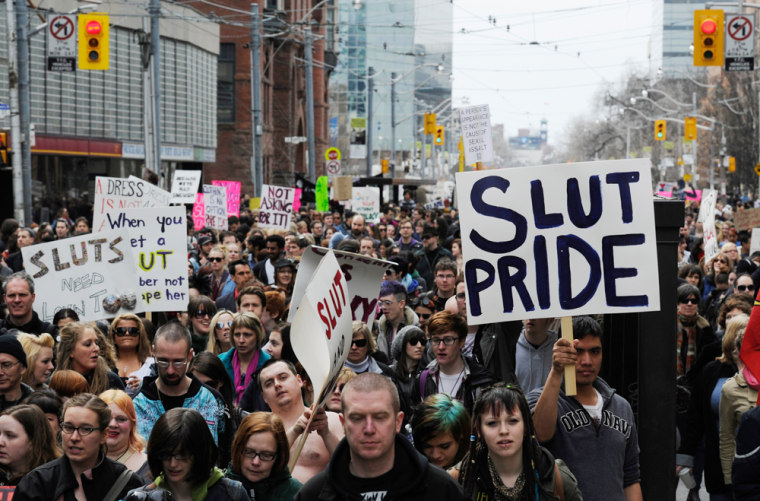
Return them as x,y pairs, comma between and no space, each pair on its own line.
149,138
257,155
155,44
18,176
370,94
393,125
308,40
25,106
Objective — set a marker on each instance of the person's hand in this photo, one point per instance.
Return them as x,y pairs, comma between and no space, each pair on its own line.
679,468
319,423
563,354
133,383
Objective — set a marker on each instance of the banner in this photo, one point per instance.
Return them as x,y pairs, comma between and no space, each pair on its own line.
558,240
92,274
366,201
158,238
215,206
233,196
117,193
199,212
185,186
321,332
276,206
364,276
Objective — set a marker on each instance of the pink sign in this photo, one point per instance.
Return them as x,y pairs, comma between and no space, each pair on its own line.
199,212
690,194
297,200
233,196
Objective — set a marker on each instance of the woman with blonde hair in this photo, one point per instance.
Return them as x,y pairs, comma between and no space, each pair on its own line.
221,281
221,325
39,358
125,445
78,350
132,348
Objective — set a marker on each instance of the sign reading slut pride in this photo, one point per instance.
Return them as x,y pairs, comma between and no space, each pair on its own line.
364,275
558,240
321,330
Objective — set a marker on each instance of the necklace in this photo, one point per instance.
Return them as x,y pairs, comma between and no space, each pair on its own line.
450,391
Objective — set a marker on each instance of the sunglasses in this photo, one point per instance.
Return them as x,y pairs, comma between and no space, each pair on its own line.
222,325
424,316
216,259
745,288
690,300
359,343
461,295
201,314
124,331
417,340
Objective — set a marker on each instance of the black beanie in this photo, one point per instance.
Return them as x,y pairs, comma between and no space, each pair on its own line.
12,346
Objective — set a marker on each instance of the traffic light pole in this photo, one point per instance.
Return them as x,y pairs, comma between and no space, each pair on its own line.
257,155
155,45
25,107
18,178
393,125
370,94
308,39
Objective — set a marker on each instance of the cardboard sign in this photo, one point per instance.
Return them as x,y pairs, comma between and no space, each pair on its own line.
92,274
707,216
158,238
321,194
366,201
476,133
342,186
746,219
276,206
215,203
321,330
117,193
185,186
558,240
364,276
233,196
199,212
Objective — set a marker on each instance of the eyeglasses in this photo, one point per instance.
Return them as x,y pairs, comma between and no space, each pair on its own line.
690,300
201,314
417,340
390,271
264,455
461,295
124,331
6,366
722,261
177,364
448,341
216,259
180,458
359,343
69,429
222,325
745,288
386,303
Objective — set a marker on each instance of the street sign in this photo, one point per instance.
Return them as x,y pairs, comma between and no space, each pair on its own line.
332,154
333,167
740,43
61,42
295,139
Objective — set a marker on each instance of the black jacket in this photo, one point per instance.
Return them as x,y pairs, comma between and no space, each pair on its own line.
34,326
476,378
496,347
419,481
56,479
228,301
428,260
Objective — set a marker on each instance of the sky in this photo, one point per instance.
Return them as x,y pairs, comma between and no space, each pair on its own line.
546,58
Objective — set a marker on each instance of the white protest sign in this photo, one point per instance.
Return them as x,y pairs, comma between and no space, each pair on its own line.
92,274
707,205
321,330
558,240
364,276
276,206
185,185
366,201
158,238
707,216
118,193
215,203
476,133
754,242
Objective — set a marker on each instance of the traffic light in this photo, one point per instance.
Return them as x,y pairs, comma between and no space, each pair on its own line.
3,148
731,164
660,130
438,135
430,123
708,37
93,41
384,165
690,128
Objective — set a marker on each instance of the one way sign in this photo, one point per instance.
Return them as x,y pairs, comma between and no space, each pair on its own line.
740,43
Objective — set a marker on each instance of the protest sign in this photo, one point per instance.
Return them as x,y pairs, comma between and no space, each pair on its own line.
321,194
233,196
185,186
558,240
297,199
476,133
321,330
754,243
746,219
366,201
215,206
199,212
342,188
158,238
275,206
92,274
691,195
364,275
117,193
707,216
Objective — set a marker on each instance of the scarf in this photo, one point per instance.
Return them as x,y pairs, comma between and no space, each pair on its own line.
686,344
359,368
501,491
242,382
216,285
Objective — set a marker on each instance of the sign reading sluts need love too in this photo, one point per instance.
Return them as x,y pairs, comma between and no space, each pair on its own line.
558,240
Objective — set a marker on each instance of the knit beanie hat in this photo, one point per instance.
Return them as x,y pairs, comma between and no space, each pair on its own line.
12,346
402,337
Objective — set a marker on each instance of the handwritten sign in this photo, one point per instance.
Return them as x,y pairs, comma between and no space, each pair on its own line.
276,206
746,219
558,240
321,330
233,196
476,133
158,241
215,203
366,201
185,186
364,276
118,193
707,216
92,274
199,212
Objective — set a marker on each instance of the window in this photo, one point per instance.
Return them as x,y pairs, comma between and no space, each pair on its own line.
225,84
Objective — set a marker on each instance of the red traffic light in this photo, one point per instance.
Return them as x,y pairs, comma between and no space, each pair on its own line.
708,26
93,28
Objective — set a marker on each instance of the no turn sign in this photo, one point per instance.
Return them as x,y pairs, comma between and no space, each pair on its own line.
61,42
740,43
333,167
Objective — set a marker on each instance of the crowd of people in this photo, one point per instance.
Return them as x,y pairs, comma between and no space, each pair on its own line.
212,403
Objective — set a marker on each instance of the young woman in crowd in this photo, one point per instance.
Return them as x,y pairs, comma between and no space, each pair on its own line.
65,316
221,281
124,444
279,342
363,345
39,358
424,307
406,350
260,455
133,361
182,455
68,383
83,472
201,310
284,278
441,431
505,460
275,310
78,350
26,442
221,324
211,371
52,406
344,376
246,356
